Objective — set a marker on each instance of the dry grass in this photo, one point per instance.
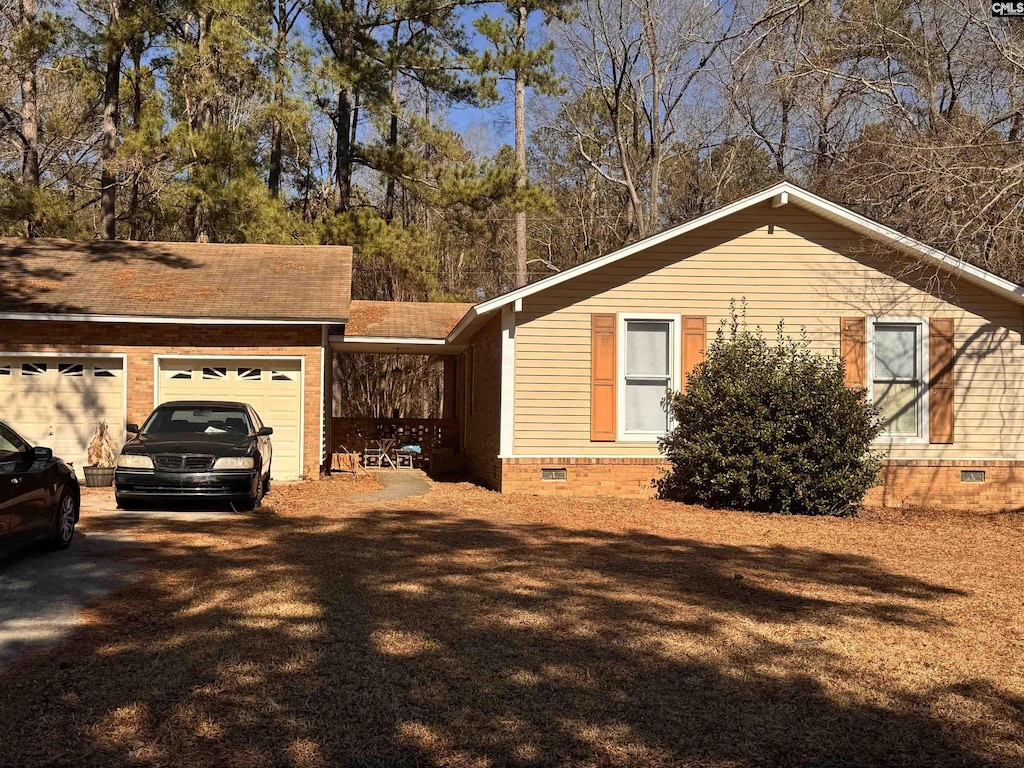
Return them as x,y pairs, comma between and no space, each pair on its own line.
465,628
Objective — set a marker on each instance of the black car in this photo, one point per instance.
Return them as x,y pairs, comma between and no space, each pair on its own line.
199,450
39,495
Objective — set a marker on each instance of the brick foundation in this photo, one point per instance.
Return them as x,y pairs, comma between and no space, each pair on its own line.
584,477
141,341
903,482
907,483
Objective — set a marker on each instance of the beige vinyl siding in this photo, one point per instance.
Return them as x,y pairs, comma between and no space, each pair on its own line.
808,272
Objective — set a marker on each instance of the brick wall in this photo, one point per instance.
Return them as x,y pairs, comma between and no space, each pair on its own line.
934,483
140,341
584,477
480,405
903,482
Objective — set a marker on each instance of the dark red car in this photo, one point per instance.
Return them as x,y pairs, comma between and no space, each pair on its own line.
39,495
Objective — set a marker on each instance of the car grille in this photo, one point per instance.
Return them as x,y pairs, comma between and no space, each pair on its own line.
182,462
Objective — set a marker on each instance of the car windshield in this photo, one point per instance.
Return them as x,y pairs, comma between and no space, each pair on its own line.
216,420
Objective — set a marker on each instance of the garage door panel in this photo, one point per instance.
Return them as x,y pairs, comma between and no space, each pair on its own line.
58,400
272,387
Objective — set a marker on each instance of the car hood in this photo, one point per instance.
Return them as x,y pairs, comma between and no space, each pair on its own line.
210,445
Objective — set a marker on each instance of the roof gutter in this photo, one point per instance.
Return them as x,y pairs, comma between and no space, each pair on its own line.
86,318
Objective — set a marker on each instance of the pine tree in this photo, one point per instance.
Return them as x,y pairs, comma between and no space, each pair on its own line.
511,59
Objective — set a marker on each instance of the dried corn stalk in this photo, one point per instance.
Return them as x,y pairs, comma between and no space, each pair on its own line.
102,450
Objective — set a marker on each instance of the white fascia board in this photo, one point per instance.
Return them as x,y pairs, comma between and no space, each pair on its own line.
783,191
386,340
467,319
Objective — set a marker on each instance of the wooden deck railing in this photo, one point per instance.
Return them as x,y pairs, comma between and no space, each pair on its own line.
352,434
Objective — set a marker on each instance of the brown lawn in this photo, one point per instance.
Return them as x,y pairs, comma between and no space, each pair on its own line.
468,629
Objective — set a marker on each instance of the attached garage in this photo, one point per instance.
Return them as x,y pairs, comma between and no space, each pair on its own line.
106,330
273,386
57,400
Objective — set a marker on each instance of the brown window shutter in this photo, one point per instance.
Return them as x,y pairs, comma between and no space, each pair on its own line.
602,378
941,350
695,342
853,350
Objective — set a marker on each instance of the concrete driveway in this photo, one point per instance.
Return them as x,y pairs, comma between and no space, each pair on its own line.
42,593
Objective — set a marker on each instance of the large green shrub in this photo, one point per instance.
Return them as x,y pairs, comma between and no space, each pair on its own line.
771,428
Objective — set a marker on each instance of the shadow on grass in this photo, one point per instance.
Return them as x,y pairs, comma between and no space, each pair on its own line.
421,638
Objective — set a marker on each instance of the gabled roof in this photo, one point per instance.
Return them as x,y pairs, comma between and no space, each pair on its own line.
784,193
174,282
403,319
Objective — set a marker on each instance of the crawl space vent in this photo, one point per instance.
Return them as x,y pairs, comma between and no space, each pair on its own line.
972,475
550,473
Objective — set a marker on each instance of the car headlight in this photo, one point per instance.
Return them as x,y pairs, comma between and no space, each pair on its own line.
235,462
134,461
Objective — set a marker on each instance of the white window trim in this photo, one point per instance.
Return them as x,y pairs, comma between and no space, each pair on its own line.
675,341
923,363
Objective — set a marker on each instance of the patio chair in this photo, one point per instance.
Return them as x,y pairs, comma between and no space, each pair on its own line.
374,457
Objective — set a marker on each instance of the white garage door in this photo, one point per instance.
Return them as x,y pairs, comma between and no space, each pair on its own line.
272,386
57,401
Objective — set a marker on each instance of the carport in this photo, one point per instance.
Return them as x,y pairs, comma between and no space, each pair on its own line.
405,329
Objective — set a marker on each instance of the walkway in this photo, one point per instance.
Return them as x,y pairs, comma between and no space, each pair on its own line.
398,484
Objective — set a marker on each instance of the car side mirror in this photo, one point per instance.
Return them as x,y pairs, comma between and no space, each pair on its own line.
42,453
265,432
133,428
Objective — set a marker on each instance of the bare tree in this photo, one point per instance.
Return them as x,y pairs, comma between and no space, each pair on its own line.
637,62
29,108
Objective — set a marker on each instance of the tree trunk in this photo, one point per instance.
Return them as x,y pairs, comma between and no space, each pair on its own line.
389,193
205,117
346,116
343,151
785,106
277,127
29,115
520,120
111,123
133,204
656,154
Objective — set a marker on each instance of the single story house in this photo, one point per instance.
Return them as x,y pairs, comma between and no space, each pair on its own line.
554,387
107,330
565,375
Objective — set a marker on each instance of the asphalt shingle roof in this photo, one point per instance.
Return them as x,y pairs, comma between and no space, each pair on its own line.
404,319
190,280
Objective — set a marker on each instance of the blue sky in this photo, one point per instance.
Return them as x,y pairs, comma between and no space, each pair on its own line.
494,122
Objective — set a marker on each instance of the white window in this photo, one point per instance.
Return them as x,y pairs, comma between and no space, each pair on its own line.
216,374
249,374
70,369
648,363
898,387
